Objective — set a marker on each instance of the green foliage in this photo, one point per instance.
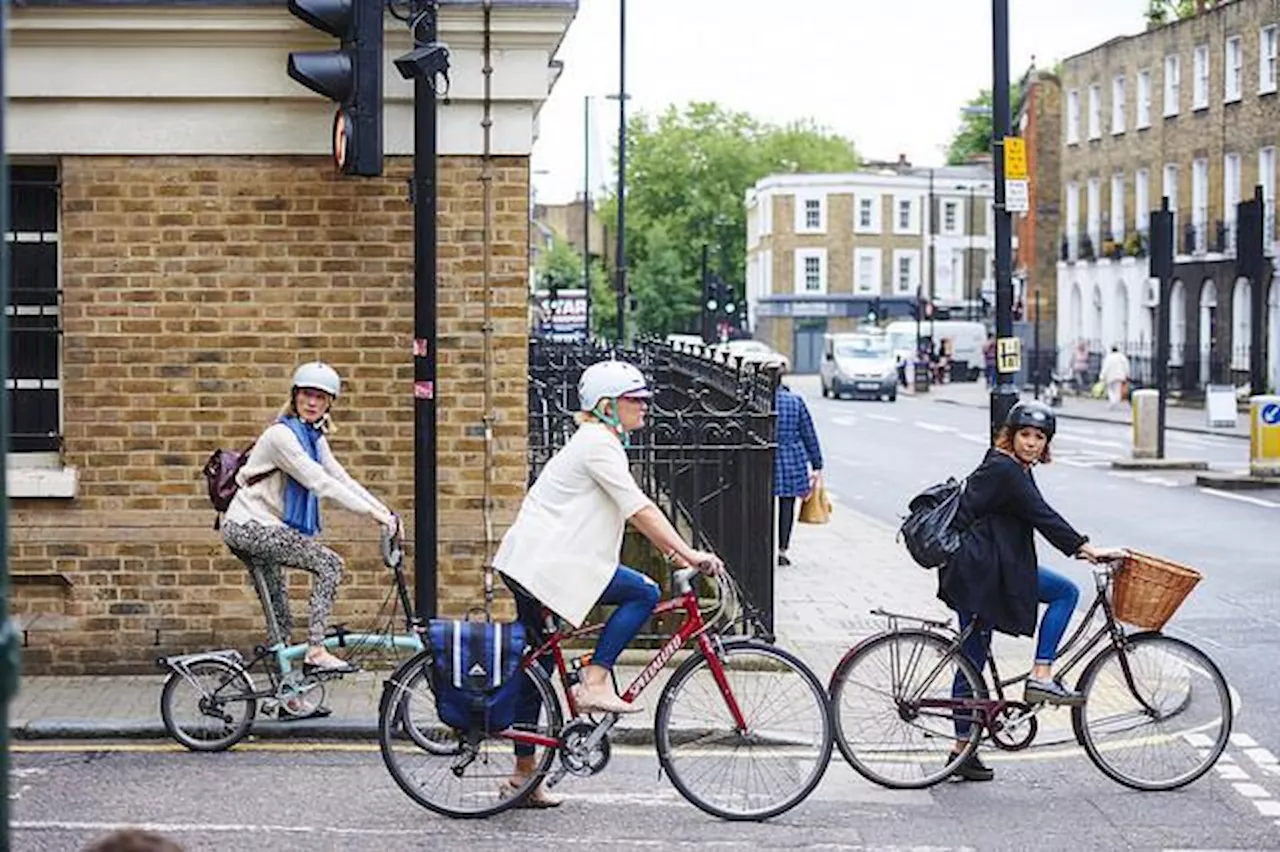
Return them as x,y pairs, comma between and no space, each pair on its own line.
559,267
1165,11
973,136
688,173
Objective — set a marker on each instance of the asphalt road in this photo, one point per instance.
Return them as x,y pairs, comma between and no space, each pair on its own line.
317,797
880,454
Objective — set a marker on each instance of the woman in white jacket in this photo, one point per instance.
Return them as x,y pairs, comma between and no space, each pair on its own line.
562,551
275,515
1114,373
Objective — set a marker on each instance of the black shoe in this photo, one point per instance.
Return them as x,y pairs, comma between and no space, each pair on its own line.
320,712
783,560
1051,692
973,769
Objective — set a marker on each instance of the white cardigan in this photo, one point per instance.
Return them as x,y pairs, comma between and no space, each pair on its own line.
566,540
278,449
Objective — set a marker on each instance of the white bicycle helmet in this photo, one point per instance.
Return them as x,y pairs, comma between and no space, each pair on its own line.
318,375
610,380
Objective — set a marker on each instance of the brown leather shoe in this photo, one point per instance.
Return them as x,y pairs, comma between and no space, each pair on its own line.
538,798
601,699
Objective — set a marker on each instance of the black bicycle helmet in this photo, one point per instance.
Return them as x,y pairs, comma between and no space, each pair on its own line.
1035,414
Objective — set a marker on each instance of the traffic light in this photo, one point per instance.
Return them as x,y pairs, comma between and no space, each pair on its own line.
351,76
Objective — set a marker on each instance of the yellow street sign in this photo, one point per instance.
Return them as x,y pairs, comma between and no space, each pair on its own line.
1015,158
1009,354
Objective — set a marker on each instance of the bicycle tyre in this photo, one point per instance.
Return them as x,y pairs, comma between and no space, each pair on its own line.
398,732
229,676
840,684
737,651
1104,756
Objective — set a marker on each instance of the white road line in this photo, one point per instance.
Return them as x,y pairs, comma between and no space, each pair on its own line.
933,427
1092,441
1261,756
1267,807
883,418
1230,772
1243,498
1252,791
1198,740
1243,741
844,421
975,439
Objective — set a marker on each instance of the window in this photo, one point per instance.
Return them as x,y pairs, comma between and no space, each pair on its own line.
1073,213
906,221
1267,177
1200,90
33,384
1233,69
1267,60
868,221
811,271
1093,212
950,218
1200,203
1095,112
1172,85
866,264
906,265
1117,207
1073,117
1117,105
1142,200
1230,186
811,215
1144,99
1169,188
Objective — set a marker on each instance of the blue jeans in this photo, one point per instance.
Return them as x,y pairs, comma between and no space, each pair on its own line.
1053,589
635,596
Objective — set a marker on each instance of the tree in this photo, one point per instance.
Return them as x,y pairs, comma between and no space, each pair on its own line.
1164,11
688,173
973,136
559,267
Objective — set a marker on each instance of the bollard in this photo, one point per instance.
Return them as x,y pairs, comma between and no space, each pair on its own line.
1264,436
1146,414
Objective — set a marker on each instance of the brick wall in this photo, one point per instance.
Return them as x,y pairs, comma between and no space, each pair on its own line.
1039,229
192,287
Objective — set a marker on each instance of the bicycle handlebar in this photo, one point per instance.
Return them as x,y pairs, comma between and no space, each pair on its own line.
392,549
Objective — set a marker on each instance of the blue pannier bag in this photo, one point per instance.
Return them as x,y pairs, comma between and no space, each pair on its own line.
475,673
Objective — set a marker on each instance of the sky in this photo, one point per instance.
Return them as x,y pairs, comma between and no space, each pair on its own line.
891,75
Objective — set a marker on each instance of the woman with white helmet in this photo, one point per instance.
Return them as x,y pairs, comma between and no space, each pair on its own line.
275,515
562,551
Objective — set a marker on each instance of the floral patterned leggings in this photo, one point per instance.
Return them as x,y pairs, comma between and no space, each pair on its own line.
267,550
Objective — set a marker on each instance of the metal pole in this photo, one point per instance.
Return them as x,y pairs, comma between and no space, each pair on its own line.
8,633
1162,238
933,260
425,515
1257,251
1035,350
586,205
620,260
1005,393
706,296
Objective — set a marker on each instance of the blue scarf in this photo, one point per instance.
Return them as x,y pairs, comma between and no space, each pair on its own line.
301,506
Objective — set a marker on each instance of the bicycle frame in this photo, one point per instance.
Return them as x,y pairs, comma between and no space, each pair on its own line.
692,628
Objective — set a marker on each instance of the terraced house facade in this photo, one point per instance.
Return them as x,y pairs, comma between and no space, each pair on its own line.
1189,111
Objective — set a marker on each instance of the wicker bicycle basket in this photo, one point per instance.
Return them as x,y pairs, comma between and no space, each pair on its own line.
1147,590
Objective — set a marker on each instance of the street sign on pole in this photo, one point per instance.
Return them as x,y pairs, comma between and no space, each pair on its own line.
1017,196
1017,192
1005,393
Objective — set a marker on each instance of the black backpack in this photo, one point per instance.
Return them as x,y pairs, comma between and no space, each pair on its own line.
930,532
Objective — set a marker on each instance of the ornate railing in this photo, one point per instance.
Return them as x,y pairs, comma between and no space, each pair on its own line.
705,456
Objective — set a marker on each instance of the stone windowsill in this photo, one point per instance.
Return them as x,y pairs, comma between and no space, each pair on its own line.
42,482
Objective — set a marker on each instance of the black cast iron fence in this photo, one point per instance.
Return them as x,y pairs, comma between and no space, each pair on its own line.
705,456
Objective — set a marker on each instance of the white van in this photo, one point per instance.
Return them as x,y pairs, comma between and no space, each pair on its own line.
966,337
859,364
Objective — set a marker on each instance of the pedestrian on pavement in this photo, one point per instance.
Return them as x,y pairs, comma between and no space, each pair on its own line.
1114,374
996,577
274,518
797,463
562,551
989,359
1080,367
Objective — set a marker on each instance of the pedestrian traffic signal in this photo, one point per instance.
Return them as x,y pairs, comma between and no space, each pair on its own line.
351,76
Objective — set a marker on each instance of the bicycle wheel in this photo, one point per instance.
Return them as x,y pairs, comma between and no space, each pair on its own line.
1155,717
435,765
744,775
888,703
205,708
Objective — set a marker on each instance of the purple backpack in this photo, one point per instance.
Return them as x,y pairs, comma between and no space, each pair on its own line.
220,477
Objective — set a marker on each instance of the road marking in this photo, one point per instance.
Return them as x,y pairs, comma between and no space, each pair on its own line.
883,418
975,439
1243,498
1231,772
933,427
1091,441
1267,807
1243,741
844,421
1252,791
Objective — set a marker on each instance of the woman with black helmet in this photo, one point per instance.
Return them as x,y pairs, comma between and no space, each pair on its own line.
996,577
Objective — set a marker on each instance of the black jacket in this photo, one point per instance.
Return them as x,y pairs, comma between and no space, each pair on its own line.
993,575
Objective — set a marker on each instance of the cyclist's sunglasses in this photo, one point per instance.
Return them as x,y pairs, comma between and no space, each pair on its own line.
641,395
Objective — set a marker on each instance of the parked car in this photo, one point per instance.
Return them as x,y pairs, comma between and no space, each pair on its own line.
859,365
753,352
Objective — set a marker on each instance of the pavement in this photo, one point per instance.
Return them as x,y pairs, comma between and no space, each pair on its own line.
840,572
1179,416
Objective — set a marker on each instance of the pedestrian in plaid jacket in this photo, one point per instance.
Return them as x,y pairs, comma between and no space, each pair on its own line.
796,464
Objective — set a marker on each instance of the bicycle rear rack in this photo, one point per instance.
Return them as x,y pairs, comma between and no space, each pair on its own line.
894,617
